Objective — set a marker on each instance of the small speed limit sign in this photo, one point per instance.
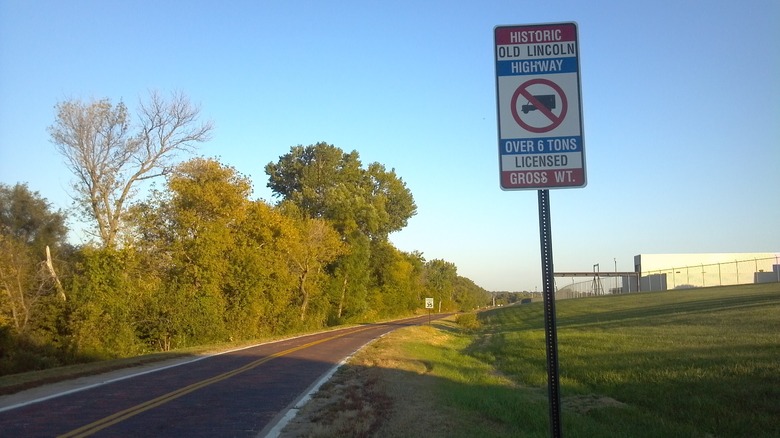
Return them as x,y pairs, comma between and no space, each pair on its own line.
429,303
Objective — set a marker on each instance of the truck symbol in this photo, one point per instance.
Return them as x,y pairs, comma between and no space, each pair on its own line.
548,100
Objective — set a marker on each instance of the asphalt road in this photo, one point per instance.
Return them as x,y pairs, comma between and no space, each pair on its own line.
240,393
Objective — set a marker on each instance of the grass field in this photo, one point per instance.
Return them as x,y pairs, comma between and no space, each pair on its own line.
702,362
693,363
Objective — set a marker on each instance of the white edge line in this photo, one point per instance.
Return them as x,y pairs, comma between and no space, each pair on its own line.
274,429
95,385
130,376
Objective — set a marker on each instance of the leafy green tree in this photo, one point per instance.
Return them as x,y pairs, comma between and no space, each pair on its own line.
20,284
193,227
316,245
502,298
109,160
415,286
325,182
27,227
350,280
469,296
105,296
397,280
261,288
363,204
27,217
390,198
440,278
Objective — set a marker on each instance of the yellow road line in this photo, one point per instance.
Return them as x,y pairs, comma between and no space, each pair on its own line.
120,416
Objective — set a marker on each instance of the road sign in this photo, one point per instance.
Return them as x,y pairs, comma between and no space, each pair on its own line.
540,140
429,303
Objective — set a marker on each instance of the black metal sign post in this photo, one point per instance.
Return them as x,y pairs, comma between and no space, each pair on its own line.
550,332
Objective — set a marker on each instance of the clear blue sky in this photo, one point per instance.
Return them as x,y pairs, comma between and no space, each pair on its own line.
681,112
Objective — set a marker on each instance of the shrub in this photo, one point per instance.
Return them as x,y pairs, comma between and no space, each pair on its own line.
468,321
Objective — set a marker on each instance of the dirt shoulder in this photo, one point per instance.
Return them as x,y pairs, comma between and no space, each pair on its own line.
380,392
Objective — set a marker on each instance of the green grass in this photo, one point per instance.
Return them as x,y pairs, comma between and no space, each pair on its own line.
457,394
694,363
702,362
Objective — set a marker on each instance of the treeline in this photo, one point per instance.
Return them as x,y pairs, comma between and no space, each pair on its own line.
505,298
199,261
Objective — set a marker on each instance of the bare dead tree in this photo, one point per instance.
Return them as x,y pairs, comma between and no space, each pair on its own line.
109,160
53,275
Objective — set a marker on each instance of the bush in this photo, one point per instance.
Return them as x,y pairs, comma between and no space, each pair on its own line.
20,354
468,321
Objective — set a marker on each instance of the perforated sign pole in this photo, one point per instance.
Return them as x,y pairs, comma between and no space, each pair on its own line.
550,331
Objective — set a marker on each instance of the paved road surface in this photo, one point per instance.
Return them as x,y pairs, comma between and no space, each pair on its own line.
236,394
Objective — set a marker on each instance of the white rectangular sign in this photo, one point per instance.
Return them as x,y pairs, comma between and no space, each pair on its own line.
429,303
540,138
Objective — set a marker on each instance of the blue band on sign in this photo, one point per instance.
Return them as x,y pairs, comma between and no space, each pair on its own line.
544,145
536,66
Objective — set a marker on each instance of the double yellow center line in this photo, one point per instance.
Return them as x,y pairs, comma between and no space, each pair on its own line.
103,423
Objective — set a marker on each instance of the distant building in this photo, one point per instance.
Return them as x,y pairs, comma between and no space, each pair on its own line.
680,271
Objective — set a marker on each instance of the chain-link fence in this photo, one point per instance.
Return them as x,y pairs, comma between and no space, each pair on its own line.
599,284
765,270
759,270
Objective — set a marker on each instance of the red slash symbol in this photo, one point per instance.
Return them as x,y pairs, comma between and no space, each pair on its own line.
537,104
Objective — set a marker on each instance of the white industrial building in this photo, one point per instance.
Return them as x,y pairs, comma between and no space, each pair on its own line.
679,271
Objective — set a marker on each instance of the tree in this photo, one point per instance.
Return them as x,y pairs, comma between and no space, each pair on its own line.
396,278
350,278
27,228
325,182
469,296
19,282
194,228
109,159
27,217
106,292
316,245
364,205
440,277
261,288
